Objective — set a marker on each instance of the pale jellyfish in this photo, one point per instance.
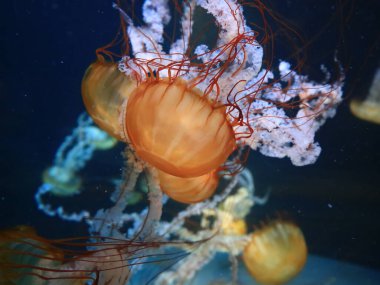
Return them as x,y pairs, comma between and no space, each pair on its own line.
369,109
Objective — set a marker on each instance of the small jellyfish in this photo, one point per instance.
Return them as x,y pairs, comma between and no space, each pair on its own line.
276,253
64,181
62,177
369,109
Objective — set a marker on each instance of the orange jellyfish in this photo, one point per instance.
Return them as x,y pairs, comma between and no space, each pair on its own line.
169,125
276,253
104,89
174,128
188,189
27,258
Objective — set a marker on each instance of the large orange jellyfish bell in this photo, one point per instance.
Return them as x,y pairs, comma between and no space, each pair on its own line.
276,253
175,129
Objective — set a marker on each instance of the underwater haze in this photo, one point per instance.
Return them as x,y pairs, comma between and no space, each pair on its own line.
46,47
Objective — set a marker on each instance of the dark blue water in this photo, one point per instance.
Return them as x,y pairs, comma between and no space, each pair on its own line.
47,45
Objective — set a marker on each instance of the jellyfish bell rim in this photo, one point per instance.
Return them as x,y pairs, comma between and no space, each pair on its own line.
189,190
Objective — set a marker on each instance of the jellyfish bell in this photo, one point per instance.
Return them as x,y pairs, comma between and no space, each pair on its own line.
189,189
276,253
28,258
366,110
25,258
175,129
369,109
104,89
63,181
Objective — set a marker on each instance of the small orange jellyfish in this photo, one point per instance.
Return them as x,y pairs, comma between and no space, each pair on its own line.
276,253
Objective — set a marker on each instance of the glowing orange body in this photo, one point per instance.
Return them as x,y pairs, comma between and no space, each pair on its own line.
189,190
276,253
176,130
104,89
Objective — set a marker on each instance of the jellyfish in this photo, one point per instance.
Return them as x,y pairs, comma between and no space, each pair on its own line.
63,181
276,253
369,109
168,124
185,135
189,189
27,258
62,178
104,89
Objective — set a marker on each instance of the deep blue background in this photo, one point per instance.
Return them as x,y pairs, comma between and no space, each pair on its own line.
46,46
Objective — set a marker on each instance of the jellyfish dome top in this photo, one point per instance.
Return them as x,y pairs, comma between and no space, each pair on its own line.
276,252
